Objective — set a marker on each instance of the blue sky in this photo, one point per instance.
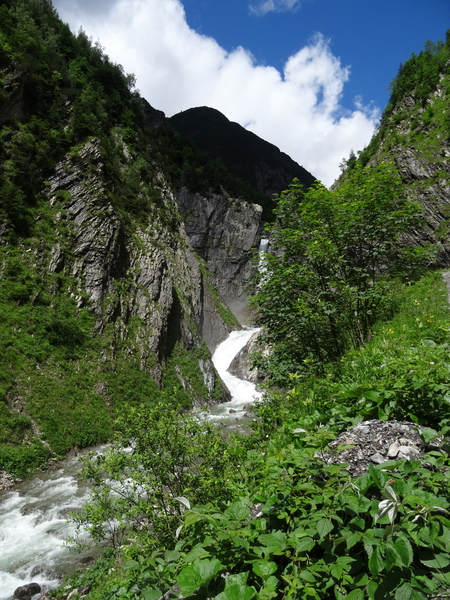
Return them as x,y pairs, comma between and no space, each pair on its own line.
310,76
373,38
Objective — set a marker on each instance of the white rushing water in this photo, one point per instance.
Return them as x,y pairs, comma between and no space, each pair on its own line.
242,392
34,529
33,518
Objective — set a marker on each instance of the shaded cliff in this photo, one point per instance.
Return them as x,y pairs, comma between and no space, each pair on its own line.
257,162
226,233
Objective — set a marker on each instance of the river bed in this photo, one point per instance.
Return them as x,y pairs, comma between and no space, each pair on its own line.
33,517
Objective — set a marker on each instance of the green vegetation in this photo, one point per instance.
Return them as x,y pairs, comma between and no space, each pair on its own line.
225,313
177,504
262,516
187,166
267,518
342,254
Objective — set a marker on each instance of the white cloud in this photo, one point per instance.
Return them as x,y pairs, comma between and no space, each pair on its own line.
265,6
176,68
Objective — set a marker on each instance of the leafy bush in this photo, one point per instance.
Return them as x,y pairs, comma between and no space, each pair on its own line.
295,528
316,534
334,276
160,455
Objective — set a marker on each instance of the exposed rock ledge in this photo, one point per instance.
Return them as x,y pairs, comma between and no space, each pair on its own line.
6,481
241,365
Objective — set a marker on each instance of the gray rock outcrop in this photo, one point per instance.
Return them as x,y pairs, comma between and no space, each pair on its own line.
226,233
151,278
416,139
241,365
375,442
25,592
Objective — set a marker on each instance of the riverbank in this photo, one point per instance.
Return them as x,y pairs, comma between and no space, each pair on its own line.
37,508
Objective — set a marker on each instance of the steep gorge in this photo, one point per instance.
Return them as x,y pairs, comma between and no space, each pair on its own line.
117,261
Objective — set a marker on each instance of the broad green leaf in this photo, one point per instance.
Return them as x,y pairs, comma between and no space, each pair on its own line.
189,579
443,578
236,579
377,477
403,592
428,434
392,557
310,591
184,501
352,499
417,595
307,576
196,552
190,518
376,562
274,542
336,571
372,587
131,564
353,539
238,541
387,508
271,583
357,594
207,568
345,560
359,523
389,494
436,561
238,511
237,592
324,526
405,551
171,555
151,594
305,544
264,568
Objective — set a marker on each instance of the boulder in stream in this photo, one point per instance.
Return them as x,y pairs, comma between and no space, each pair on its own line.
24,592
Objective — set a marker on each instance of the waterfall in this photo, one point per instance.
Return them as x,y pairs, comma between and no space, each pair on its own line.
264,245
263,248
242,392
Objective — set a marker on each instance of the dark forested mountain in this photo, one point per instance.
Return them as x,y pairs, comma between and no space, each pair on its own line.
259,163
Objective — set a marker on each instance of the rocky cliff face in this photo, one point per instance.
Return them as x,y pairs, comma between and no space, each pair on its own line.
108,299
225,232
149,276
415,135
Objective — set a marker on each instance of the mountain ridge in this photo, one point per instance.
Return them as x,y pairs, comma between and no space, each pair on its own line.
247,156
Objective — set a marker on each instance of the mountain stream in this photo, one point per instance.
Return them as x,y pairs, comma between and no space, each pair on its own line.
33,517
